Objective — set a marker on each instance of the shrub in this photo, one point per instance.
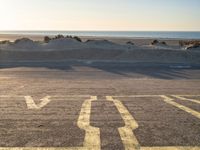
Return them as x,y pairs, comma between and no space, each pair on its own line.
186,43
47,39
155,42
164,43
60,36
158,42
69,36
89,41
5,42
196,45
17,41
75,37
23,40
78,39
130,43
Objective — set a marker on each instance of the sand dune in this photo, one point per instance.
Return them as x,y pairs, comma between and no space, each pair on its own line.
103,44
25,44
71,49
62,44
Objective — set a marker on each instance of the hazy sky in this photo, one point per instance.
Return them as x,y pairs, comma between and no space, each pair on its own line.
100,15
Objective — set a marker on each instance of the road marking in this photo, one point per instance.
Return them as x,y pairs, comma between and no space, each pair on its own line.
11,96
189,110
83,148
126,133
172,148
188,95
128,138
70,96
43,148
80,96
92,135
53,96
186,99
32,105
137,96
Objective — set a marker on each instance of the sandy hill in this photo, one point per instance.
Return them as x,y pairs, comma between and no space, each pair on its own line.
70,48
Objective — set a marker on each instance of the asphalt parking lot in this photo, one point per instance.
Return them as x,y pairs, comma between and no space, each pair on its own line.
84,107
112,122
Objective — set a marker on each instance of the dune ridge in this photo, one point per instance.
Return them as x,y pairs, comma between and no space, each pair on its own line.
70,48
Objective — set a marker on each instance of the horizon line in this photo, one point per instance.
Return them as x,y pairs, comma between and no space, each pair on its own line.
100,30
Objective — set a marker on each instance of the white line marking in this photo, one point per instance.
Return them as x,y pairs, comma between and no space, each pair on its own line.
128,138
171,148
92,135
54,96
11,96
43,148
187,95
189,110
73,96
137,96
31,104
79,96
79,148
186,99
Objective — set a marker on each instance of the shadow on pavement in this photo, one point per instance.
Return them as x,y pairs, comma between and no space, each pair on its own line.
129,70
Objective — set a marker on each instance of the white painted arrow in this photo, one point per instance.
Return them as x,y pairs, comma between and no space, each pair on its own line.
32,105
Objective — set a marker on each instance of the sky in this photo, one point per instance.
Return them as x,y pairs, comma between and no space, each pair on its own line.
100,15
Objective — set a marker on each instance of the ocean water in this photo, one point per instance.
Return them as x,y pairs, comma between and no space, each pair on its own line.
129,34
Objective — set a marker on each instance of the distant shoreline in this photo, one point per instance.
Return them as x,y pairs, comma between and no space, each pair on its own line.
190,35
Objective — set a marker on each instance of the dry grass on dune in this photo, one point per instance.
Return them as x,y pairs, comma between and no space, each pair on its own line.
156,42
5,42
48,39
190,44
